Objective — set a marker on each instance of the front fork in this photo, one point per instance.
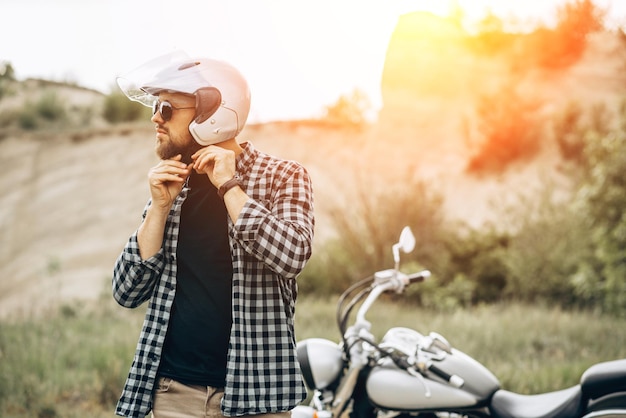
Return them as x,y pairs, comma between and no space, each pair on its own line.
361,405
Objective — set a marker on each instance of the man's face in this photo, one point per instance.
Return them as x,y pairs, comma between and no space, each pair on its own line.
173,136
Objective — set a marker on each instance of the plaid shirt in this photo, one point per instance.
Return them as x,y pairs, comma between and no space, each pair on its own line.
270,244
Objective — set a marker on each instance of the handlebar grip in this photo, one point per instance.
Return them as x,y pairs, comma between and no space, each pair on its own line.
453,379
419,276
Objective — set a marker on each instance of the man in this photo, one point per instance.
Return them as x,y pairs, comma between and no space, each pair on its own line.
225,233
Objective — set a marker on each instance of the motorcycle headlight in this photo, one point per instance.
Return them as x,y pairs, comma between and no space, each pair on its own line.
321,362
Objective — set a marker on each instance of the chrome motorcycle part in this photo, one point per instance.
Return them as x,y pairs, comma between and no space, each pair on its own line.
320,360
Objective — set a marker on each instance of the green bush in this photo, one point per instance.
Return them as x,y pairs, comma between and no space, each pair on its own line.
118,108
27,117
364,238
48,110
476,255
540,258
568,127
602,197
7,78
597,276
50,107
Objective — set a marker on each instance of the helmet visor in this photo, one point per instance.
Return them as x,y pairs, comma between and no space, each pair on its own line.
132,83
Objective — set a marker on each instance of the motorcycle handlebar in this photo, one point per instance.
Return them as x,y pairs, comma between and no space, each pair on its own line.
418,277
379,283
401,360
390,281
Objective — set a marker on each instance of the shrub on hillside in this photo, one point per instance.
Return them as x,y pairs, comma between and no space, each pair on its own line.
476,255
7,77
364,238
598,165
566,44
27,118
50,107
571,251
549,239
602,197
568,129
549,48
117,109
509,130
48,110
349,111
572,128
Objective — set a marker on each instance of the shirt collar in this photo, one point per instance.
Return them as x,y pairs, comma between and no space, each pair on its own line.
245,160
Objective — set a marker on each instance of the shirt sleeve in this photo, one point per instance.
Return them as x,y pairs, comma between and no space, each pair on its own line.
133,278
279,231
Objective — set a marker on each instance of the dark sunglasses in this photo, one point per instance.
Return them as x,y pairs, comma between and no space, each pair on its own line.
165,108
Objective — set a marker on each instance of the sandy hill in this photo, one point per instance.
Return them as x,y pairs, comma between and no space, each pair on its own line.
69,200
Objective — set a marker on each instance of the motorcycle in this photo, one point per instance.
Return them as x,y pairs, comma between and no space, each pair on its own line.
408,374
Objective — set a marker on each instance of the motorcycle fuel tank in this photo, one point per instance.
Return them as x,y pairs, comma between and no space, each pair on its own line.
392,388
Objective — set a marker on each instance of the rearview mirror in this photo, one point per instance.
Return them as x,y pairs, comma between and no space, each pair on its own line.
406,244
407,240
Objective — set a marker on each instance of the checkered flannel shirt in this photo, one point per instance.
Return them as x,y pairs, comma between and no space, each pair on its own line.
270,243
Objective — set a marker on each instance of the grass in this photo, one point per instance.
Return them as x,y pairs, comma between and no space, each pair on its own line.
73,362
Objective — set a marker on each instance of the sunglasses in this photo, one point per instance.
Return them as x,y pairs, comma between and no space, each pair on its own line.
165,108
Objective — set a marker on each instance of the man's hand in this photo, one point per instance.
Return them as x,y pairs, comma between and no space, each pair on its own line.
166,181
219,164
216,162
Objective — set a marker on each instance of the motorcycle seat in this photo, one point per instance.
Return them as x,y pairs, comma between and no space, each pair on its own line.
603,378
564,403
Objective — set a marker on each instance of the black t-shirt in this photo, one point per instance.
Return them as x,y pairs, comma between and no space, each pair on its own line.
197,338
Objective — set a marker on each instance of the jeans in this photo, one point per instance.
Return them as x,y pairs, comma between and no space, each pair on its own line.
173,399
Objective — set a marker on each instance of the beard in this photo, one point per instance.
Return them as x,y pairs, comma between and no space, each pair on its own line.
167,149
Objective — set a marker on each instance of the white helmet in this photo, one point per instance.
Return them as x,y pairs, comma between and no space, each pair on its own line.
222,93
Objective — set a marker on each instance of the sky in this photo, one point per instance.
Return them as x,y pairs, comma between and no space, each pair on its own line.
299,56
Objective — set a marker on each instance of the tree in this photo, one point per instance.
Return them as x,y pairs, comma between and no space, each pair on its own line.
566,44
603,198
350,111
509,126
7,75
